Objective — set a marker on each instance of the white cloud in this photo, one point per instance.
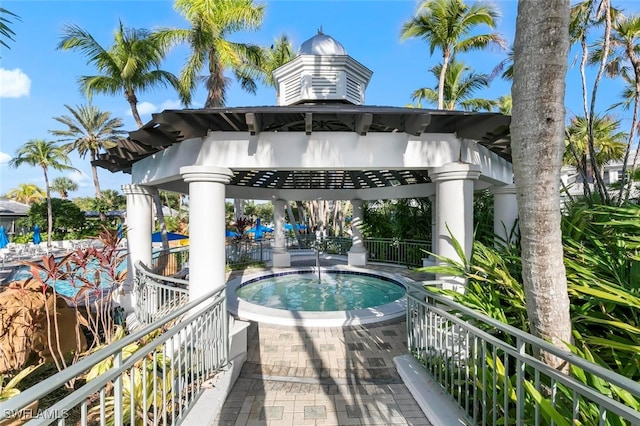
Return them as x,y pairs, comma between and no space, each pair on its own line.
14,83
170,104
4,158
80,177
144,108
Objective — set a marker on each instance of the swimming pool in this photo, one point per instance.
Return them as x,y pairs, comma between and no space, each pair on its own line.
297,297
65,287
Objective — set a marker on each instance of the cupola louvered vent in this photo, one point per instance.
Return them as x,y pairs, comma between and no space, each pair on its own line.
321,73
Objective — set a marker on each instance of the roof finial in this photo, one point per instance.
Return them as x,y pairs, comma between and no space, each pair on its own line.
320,30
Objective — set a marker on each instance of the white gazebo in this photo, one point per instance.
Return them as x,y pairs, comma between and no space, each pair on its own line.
319,142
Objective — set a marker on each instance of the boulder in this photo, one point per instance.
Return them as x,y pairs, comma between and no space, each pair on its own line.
27,324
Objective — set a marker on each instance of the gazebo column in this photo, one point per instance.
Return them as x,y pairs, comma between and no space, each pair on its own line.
430,260
139,229
357,255
280,256
505,213
207,227
454,193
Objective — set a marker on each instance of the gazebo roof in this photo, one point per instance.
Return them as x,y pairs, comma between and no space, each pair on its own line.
12,208
174,126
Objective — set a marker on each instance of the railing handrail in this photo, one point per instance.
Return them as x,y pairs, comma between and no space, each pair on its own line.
396,239
144,269
48,385
78,395
611,376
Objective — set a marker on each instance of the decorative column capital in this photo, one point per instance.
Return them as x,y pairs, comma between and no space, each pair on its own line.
206,174
455,171
138,190
504,189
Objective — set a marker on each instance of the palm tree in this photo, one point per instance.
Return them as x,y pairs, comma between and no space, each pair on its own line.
446,25
504,104
280,52
609,142
89,130
624,61
26,193
460,83
537,143
47,155
63,185
212,21
585,16
130,66
6,33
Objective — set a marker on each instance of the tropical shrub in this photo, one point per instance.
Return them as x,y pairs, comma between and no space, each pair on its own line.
602,259
95,272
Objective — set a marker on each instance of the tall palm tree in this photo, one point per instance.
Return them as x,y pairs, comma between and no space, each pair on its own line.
460,83
447,25
89,130
585,16
26,193
130,66
46,155
537,143
212,22
625,61
63,185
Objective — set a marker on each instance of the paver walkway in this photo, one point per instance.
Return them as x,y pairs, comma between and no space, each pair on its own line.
322,376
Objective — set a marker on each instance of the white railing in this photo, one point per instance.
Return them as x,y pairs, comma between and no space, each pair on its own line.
152,376
157,295
489,370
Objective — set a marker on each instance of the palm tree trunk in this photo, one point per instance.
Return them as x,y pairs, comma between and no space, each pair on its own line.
96,185
636,69
632,132
161,222
49,207
133,103
443,73
537,130
94,172
293,222
602,189
216,83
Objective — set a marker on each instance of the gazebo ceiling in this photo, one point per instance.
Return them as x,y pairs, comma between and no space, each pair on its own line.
174,126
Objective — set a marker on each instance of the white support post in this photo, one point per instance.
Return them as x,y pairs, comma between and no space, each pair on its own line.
454,219
207,223
505,213
357,255
280,256
139,229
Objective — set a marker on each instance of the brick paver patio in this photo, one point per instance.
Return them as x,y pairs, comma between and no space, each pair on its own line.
322,376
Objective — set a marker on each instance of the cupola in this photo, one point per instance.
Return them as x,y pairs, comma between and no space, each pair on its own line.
322,72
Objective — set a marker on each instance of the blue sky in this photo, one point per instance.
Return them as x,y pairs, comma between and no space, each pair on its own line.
36,80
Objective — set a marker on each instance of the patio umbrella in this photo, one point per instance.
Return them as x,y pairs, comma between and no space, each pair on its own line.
289,227
119,229
37,238
258,230
156,237
230,234
4,240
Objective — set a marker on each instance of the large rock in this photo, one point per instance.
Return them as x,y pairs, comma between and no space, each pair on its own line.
27,325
